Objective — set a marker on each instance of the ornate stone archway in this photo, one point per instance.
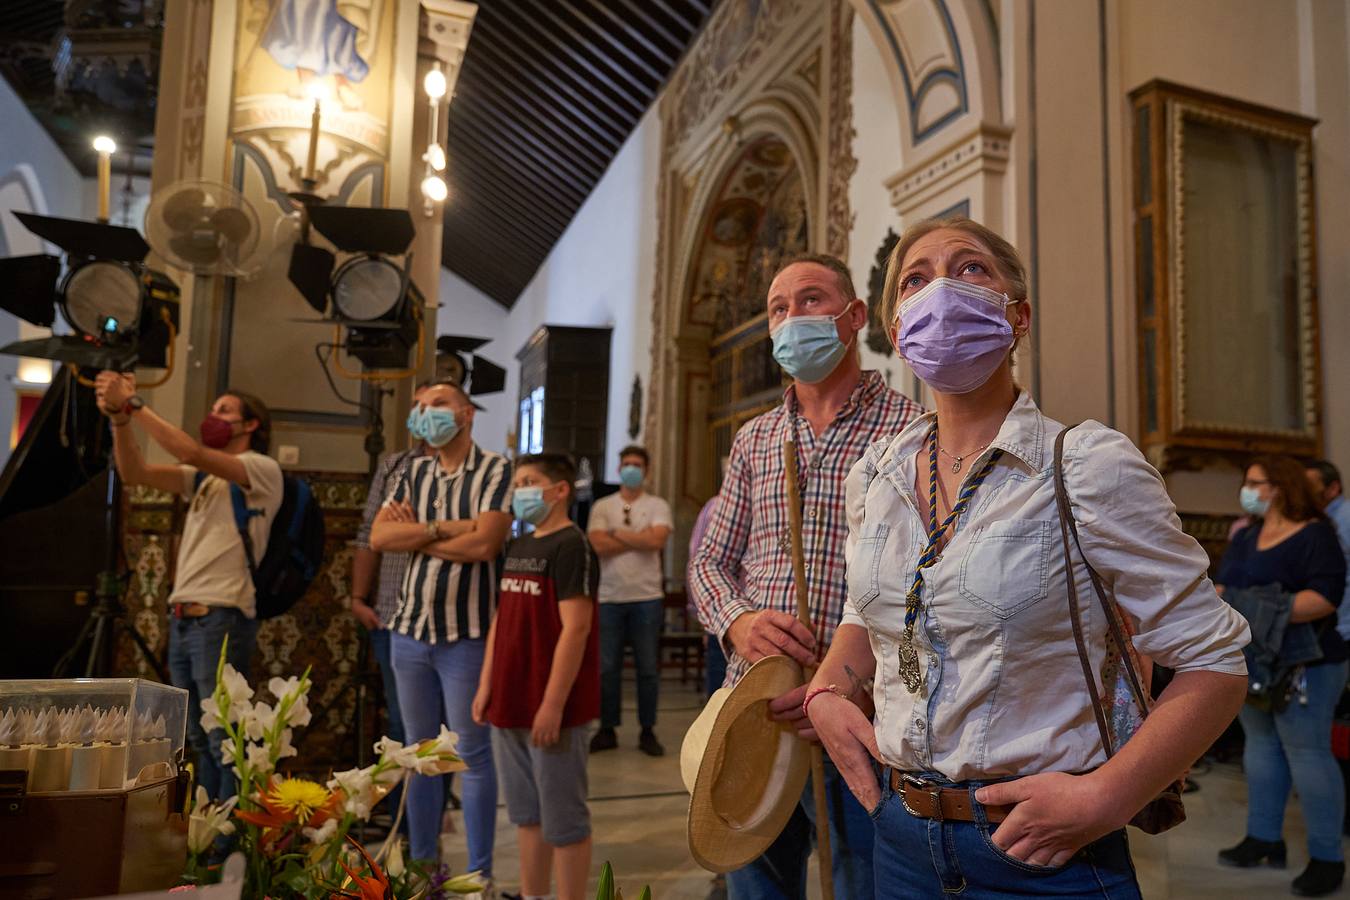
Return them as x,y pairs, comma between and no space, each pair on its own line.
779,73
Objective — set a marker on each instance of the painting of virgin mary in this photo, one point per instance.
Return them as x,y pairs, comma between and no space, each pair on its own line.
320,38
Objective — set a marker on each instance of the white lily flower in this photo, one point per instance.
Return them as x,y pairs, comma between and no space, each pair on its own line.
392,751
259,759
323,834
284,747
208,820
472,883
260,720
393,865
358,790
447,742
236,685
211,715
281,687
300,714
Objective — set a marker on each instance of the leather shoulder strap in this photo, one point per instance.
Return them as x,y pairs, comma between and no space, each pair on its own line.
1075,616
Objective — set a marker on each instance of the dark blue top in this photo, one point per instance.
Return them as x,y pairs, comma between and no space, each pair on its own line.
1308,560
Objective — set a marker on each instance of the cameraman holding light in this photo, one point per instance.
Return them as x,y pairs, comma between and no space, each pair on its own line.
213,589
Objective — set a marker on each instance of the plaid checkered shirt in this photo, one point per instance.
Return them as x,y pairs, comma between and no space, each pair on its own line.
389,586
744,563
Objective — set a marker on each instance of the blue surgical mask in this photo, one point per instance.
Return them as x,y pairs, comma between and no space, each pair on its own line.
439,426
415,423
630,477
808,347
528,503
1251,501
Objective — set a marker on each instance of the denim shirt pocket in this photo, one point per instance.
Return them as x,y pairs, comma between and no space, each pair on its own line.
864,569
1006,566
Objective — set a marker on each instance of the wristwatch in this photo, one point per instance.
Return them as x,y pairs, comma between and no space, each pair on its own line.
134,402
434,530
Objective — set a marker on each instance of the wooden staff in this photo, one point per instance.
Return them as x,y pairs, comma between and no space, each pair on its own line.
804,615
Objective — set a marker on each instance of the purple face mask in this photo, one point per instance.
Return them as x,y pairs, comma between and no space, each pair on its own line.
954,335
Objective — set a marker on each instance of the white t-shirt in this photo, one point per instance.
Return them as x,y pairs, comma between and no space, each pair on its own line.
634,574
212,567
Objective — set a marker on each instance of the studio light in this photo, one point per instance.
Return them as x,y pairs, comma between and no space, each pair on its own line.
124,314
434,188
434,84
370,295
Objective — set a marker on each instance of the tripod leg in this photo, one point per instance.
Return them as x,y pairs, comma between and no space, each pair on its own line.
139,640
99,654
64,663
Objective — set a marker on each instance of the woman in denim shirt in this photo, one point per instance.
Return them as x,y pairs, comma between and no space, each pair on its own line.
1290,544
994,781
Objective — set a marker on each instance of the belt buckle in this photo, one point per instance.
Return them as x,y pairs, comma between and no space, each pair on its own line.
934,792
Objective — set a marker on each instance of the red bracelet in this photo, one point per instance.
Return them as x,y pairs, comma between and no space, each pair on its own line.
816,692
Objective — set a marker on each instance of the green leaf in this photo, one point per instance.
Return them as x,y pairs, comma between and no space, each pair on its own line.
606,887
646,892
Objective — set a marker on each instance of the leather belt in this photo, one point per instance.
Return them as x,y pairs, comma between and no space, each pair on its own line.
190,610
932,801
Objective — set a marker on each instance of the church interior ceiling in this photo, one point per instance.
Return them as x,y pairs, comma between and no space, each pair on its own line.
87,67
549,92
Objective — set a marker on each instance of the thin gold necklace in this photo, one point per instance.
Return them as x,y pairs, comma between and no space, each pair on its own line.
956,466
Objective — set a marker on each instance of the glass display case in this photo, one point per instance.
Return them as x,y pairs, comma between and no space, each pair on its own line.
90,734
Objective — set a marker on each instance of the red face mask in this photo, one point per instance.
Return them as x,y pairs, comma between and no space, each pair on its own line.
216,432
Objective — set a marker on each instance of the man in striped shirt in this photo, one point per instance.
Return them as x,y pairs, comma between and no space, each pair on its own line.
741,576
451,512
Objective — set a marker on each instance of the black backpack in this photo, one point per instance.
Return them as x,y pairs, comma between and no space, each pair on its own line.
294,545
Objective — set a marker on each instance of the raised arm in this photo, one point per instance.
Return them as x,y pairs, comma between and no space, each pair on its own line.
114,390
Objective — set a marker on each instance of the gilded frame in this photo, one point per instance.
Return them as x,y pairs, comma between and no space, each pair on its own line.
1170,437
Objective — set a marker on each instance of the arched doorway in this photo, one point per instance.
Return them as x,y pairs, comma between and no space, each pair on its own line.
757,218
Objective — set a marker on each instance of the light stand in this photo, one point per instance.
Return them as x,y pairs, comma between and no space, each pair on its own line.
97,639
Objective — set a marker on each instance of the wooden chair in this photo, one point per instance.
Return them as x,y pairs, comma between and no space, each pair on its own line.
682,639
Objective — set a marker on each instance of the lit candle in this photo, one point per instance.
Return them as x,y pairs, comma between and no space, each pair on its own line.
313,142
105,147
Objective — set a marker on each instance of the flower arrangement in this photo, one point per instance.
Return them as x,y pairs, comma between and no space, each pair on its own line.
295,834
607,890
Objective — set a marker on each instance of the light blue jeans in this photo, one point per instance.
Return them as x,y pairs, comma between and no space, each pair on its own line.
780,874
1293,748
436,683
927,858
194,651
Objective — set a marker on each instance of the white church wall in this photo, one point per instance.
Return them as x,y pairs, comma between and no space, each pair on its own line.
600,273
35,176
876,146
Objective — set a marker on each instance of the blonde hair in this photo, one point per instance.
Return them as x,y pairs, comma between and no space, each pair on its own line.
1010,265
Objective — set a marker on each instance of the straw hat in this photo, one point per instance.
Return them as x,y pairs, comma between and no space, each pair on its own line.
745,773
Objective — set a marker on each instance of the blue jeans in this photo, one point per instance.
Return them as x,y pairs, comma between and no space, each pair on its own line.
781,871
926,858
1293,747
436,683
194,651
637,625
714,666
379,645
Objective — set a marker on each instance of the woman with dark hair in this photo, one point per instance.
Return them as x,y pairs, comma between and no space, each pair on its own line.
1291,545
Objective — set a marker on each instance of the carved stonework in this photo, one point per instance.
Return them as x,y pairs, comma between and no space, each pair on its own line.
842,163
731,45
983,151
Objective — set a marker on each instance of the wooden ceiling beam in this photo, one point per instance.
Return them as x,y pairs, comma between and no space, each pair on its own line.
690,25
482,141
537,119
627,29
550,85
527,36
543,10
676,43
492,122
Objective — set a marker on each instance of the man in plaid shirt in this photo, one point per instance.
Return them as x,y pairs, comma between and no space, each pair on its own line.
741,577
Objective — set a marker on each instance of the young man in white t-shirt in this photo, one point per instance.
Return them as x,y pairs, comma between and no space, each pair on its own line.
213,589
628,531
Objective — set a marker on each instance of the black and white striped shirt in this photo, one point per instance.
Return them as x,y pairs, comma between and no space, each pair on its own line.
445,601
